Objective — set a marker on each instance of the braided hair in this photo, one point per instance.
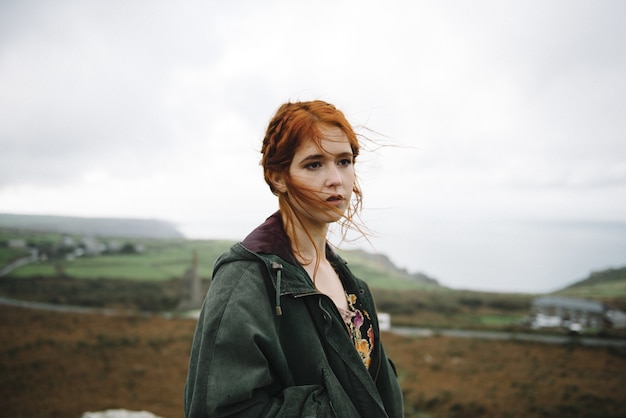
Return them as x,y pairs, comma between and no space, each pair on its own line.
292,124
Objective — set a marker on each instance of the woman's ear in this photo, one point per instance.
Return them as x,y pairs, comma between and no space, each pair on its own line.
278,182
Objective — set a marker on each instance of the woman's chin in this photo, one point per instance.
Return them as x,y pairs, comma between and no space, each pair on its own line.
335,214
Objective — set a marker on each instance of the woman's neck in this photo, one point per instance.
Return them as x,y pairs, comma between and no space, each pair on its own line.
308,242
308,248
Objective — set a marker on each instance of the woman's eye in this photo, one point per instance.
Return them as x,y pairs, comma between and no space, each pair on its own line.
345,161
314,165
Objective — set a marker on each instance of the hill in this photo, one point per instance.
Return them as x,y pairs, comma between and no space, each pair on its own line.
380,272
609,283
102,227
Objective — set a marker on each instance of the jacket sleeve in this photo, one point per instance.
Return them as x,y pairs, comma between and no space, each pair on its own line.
236,368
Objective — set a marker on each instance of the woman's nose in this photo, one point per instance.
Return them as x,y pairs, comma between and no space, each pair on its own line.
333,176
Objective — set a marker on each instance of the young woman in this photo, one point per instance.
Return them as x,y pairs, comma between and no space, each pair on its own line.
286,329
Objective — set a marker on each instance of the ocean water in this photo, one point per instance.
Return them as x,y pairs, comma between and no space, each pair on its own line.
499,256
532,257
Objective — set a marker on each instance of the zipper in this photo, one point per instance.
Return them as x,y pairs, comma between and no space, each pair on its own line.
279,276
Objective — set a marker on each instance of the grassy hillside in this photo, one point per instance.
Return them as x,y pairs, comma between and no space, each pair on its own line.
605,283
607,286
158,260
380,273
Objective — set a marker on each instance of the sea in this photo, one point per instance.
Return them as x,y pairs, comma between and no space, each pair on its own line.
534,257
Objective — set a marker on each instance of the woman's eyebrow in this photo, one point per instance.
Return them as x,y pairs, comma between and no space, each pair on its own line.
317,157
345,154
311,158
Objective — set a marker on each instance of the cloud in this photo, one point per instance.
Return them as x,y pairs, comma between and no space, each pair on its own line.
497,109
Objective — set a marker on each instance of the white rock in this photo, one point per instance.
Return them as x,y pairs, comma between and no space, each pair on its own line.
119,413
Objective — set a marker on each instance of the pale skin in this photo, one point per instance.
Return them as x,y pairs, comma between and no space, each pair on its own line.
327,173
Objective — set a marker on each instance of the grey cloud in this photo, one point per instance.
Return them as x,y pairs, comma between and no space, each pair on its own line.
82,82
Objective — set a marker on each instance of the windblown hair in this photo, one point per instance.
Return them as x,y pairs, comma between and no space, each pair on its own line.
292,124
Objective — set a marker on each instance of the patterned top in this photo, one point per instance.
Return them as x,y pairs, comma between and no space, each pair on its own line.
360,328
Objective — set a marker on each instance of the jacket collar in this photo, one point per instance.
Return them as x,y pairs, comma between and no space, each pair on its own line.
270,243
270,238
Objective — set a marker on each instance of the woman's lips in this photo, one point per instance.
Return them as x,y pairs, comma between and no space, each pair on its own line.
335,200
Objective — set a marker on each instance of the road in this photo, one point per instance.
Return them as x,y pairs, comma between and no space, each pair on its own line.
55,307
406,331
515,336
4,271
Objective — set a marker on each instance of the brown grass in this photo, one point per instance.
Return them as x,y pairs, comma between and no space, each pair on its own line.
63,364
455,377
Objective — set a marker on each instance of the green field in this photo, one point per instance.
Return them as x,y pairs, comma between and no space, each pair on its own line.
161,260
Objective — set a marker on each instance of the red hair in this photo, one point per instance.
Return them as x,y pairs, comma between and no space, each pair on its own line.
292,124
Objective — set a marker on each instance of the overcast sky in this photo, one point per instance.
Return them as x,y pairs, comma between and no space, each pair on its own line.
490,113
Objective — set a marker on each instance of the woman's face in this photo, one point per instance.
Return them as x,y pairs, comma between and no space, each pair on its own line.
325,174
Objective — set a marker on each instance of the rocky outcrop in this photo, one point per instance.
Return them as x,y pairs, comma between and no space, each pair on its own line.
119,413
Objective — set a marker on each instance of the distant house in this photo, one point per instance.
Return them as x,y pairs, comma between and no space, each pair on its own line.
384,321
16,243
91,246
616,318
555,311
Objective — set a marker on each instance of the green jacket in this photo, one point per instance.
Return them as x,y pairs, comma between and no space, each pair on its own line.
268,344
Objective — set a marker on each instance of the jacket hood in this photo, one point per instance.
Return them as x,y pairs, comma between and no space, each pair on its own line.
269,245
